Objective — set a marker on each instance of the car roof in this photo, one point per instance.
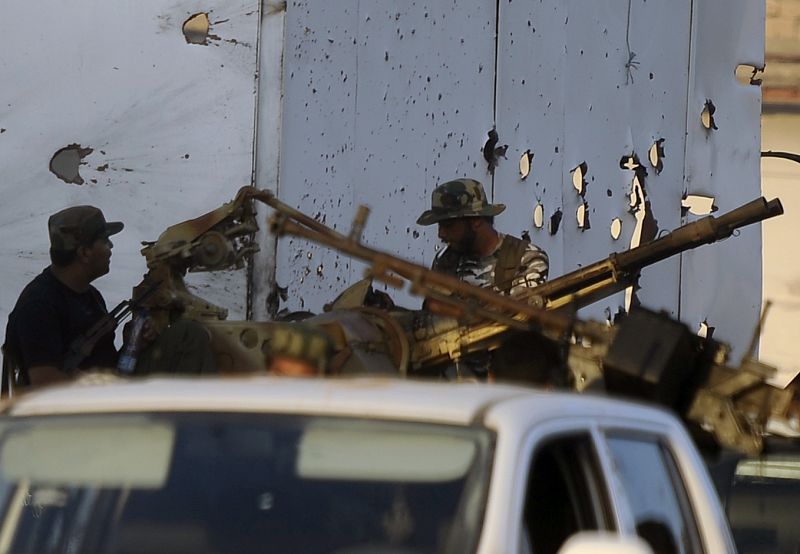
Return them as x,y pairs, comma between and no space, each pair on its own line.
460,403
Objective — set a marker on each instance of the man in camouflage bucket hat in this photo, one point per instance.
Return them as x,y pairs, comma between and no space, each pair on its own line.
60,305
476,252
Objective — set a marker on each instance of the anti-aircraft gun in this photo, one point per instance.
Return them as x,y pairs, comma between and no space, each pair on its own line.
648,355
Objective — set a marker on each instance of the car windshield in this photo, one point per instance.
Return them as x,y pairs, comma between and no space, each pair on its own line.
197,482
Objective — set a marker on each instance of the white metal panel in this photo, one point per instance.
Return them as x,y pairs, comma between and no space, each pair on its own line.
262,293
382,102
170,125
320,84
567,92
720,283
425,102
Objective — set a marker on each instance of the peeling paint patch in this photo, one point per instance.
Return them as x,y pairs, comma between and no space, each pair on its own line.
697,204
646,226
749,75
525,162
656,155
195,29
65,163
707,115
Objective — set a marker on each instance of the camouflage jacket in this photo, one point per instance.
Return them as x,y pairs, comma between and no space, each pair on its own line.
514,265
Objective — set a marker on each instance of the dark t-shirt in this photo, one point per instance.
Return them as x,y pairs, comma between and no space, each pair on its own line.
48,316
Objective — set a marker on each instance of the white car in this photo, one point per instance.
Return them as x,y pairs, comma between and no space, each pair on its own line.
347,466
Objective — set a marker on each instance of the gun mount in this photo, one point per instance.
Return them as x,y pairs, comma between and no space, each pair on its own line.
648,355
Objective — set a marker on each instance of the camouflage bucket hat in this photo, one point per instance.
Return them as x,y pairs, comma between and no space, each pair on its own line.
459,198
79,225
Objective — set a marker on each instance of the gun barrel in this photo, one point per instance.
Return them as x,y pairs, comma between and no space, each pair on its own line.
621,269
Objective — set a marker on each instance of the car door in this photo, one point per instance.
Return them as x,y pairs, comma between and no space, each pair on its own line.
565,491
647,477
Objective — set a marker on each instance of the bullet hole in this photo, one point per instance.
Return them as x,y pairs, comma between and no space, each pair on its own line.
309,255
2,130
656,155
66,161
525,162
707,115
614,317
630,162
386,56
705,331
491,151
186,156
697,205
102,167
320,271
538,216
582,216
555,221
578,178
195,29
415,234
616,228
749,75
609,193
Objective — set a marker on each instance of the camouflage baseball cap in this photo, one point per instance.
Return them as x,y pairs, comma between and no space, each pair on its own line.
303,342
459,198
78,225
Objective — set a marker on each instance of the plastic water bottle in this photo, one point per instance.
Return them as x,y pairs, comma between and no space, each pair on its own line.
126,364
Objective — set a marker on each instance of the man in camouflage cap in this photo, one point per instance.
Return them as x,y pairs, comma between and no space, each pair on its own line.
476,252
480,255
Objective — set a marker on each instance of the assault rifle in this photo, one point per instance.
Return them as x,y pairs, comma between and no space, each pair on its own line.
81,347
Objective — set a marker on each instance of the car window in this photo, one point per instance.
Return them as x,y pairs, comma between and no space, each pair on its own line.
763,505
565,494
238,483
655,493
